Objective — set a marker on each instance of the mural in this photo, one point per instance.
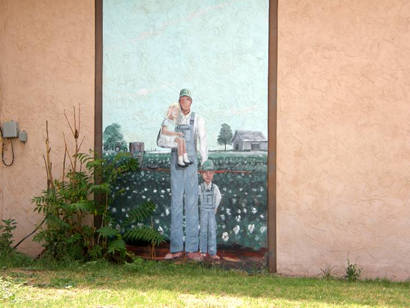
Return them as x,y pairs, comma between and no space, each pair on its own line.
185,91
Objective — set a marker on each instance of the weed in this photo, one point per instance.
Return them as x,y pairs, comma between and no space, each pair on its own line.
327,272
14,259
22,276
6,236
62,283
353,271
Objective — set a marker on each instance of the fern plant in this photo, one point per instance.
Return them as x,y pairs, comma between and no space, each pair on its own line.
142,232
109,239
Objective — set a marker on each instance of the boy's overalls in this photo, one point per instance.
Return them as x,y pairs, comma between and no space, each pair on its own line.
207,241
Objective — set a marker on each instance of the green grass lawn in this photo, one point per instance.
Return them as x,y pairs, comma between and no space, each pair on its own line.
162,284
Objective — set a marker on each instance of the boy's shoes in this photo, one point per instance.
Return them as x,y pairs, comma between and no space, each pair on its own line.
195,256
210,257
215,257
182,165
188,162
171,256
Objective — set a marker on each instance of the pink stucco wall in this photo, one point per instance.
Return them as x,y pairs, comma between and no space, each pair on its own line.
343,182
46,67
343,179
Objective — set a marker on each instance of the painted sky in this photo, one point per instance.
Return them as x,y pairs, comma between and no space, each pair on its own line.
153,48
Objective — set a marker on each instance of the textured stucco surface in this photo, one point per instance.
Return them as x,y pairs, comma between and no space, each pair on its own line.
46,67
343,123
344,137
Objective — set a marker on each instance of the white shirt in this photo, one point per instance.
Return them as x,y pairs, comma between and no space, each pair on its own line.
217,193
199,132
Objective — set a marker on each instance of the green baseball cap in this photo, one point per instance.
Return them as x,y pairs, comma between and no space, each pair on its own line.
208,166
185,92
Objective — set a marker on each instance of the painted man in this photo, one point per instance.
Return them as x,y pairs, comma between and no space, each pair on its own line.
184,182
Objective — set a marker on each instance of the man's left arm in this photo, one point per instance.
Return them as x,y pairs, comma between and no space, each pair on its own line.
203,143
218,197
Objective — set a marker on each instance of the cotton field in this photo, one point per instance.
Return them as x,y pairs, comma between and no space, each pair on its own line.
241,217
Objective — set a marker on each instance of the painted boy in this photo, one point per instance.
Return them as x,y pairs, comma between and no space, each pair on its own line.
209,200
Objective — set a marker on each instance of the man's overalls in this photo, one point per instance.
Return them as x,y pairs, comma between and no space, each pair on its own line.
208,223
184,190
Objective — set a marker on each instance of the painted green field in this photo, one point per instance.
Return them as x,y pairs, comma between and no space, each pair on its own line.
161,284
241,217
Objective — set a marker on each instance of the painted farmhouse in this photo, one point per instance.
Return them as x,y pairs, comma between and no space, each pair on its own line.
247,140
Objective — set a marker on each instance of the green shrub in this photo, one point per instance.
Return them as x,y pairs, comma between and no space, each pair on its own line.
68,201
85,189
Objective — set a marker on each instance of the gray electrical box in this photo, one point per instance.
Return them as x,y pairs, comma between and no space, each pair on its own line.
23,136
10,129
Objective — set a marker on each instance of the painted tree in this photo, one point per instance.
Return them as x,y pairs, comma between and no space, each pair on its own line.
225,135
113,139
